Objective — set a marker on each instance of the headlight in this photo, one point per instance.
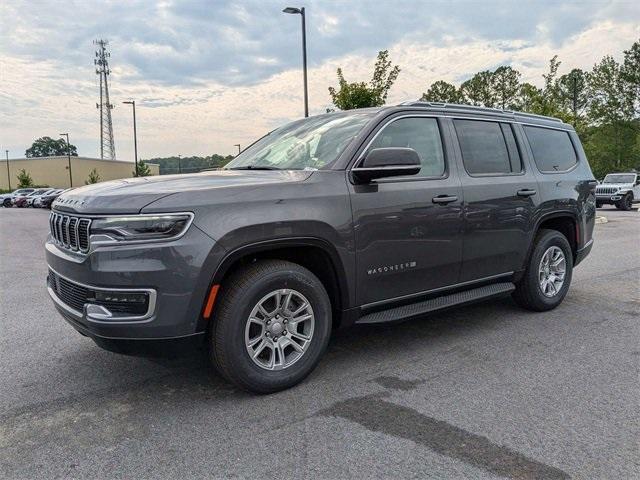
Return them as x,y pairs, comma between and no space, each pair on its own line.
139,228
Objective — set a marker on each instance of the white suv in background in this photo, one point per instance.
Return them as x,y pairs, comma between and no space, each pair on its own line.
619,189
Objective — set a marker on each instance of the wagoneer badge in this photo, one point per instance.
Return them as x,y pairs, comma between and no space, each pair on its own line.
391,268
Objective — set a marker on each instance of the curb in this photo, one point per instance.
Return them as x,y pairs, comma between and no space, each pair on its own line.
601,219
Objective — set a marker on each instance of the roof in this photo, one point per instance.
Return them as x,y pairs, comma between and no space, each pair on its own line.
486,111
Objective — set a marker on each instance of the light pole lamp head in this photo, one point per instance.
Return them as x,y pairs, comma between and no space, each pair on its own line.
131,102
292,10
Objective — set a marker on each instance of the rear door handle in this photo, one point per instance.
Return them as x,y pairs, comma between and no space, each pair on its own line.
526,192
444,199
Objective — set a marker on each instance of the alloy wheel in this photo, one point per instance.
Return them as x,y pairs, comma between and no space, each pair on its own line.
552,271
279,329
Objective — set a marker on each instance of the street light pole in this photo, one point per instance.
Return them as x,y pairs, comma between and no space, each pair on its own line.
135,134
301,11
8,174
239,149
68,158
179,165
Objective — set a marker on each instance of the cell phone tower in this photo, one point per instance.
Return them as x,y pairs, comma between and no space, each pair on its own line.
107,146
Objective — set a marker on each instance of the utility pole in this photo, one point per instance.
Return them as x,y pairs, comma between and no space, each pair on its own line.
179,166
68,158
301,12
135,135
107,146
239,149
8,174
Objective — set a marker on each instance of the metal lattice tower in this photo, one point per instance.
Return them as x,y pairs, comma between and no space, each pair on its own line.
107,147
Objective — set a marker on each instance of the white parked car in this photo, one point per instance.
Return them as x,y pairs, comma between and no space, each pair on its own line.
6,198
38,195
619,189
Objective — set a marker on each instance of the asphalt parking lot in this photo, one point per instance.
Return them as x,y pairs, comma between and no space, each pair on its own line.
487,391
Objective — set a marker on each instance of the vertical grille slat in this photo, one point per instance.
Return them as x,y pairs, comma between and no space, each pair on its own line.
70,232
64,226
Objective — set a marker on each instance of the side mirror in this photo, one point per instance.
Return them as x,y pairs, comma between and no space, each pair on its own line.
387,162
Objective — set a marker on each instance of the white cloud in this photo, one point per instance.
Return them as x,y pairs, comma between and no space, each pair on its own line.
46,96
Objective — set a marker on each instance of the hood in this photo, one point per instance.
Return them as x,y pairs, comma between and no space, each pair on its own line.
130,195
615,186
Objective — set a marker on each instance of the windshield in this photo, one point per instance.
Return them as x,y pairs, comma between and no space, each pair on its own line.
307,144
626,178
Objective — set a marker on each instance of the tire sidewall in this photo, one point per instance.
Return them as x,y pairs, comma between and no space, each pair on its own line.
550,239
258,378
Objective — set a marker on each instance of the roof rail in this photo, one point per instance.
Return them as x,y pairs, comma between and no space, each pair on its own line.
476,108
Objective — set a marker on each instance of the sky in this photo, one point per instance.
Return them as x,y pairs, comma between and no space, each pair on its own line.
207,75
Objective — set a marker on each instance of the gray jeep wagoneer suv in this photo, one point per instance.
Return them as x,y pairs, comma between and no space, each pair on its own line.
363,216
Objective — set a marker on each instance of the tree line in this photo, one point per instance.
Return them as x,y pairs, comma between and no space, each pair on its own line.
603,104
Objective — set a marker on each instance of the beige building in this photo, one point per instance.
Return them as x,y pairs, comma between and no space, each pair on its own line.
54,171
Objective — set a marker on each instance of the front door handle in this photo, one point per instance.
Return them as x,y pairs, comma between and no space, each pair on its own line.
526,192
444,199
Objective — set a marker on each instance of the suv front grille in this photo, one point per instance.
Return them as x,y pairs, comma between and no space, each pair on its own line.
606,190
70,232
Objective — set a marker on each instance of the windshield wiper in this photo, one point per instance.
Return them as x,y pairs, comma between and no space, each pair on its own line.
255,167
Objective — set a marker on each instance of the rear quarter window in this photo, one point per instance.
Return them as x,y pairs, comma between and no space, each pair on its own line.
552,149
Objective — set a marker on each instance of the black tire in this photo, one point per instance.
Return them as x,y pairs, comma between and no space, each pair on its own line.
6,203
625,203
598,204
236,299
528,293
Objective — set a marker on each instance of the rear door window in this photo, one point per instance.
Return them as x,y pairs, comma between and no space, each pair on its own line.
552,149
488,148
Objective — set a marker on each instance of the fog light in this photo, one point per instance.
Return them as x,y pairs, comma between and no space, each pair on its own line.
120,297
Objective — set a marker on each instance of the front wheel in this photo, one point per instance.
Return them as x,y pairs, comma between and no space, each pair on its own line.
548,275
7,203
271,326
625,203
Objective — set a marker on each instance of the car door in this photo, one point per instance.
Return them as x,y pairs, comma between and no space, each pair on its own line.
501,197
408,230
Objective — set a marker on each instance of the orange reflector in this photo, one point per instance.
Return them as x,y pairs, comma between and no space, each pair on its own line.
211,300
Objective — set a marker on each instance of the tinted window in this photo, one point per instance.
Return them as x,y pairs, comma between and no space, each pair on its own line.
421,134
552,149
484,149
512,147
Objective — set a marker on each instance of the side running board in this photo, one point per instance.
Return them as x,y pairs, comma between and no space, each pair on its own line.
438,303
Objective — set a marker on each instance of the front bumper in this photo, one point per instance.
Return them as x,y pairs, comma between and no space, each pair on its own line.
175,275
609,199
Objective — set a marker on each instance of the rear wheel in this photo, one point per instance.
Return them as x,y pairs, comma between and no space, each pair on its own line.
548,274
7,203
271,326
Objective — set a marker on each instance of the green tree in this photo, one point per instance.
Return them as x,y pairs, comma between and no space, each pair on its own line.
631,73
48,147
550,99
24,179
93,177
442,91
529,97
612,108
143,169
573,93
506,86
478,90
361,94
